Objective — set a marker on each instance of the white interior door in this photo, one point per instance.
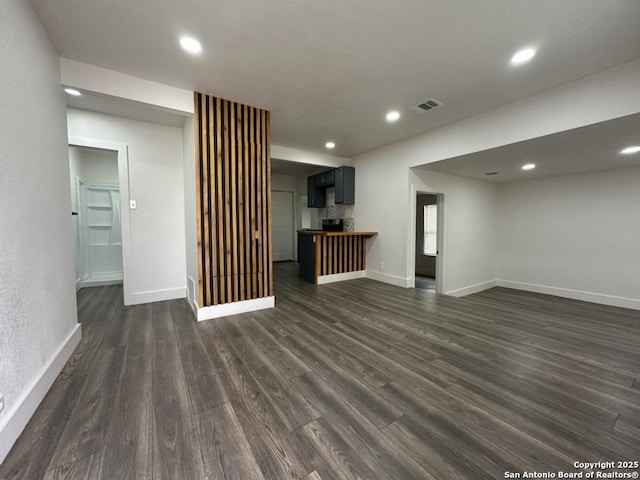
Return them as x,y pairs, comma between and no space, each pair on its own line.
282,225
102,233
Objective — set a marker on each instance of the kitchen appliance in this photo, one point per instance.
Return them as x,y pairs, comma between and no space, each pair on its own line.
333,224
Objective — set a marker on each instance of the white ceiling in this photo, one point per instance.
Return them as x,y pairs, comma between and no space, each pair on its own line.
296,169
331,69
587,149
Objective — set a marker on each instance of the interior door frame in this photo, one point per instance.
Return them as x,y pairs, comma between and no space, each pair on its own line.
82,240
122,151
440,257
85,214
293,221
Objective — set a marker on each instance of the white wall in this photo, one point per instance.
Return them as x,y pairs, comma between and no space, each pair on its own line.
574,236
383,205
98,166
191,241
285,183
384,197
38,317
156,182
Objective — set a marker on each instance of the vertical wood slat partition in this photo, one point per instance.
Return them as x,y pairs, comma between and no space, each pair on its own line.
233,201
340,254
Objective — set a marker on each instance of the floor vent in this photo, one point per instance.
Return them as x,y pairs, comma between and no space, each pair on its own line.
426,105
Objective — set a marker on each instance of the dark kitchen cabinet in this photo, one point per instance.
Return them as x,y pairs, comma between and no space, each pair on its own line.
345,178
342,178
326,179
316,197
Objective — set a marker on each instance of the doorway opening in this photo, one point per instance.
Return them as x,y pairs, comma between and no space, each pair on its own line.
99,173
95,194
428,241
282,225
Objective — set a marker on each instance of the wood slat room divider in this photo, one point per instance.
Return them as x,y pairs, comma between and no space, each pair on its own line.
233,201
341,254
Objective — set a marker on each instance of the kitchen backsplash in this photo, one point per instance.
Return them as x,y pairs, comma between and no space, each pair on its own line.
349,224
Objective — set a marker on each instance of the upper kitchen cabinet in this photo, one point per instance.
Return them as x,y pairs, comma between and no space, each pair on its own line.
316,197
345,185
326,179
342,178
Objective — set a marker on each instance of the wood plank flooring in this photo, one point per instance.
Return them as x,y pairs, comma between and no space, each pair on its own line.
425,283
351,380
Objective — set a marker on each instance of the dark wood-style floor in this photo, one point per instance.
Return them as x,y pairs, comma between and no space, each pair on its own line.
351,380
425,283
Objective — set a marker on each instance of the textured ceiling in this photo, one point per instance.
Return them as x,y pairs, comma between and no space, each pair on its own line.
330,70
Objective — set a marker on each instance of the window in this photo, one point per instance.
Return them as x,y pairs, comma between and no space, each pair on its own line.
429,244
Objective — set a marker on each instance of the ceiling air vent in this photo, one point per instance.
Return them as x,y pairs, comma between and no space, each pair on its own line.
426,105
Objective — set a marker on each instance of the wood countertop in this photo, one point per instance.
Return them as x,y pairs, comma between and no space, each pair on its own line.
337,234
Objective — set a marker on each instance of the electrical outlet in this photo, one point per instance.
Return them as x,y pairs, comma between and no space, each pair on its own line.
382,266
1,403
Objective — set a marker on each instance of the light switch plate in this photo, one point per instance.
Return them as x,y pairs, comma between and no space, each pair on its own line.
132,205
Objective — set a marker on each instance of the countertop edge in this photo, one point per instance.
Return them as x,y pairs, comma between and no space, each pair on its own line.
337,234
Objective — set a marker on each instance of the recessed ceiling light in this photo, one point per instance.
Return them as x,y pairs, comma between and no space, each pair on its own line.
529,166
523,56
190,45
630,150
330,145
72,91
393,116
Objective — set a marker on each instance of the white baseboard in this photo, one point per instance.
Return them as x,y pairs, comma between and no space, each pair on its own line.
603,299
157,295
101,279
244,306
478,287
340,277
97,283
390,279
17,418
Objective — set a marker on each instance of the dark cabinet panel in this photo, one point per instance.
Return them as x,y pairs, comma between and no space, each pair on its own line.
325,179
307,257
316,197
345,178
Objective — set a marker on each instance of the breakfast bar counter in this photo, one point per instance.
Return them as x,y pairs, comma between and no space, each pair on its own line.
327,256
